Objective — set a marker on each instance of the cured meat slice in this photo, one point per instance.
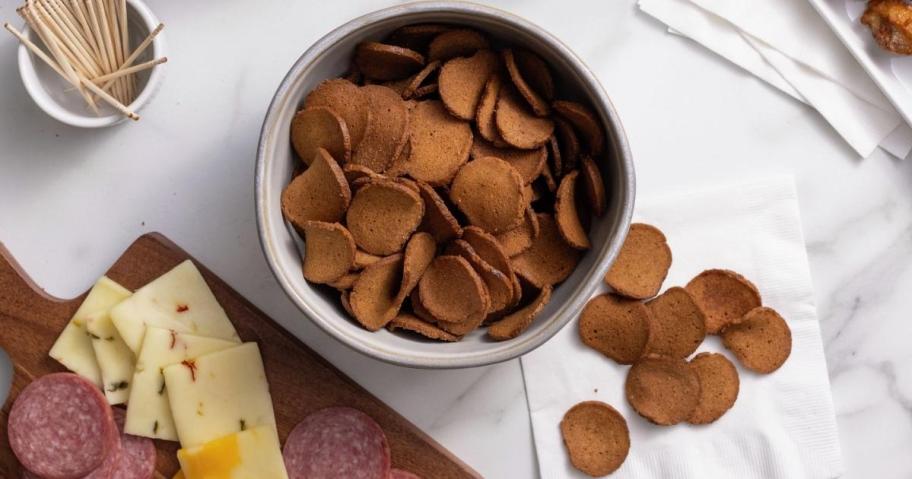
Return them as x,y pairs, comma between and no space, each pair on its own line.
137,457
61,427
337,442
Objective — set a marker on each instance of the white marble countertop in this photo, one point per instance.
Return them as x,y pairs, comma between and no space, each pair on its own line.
72,200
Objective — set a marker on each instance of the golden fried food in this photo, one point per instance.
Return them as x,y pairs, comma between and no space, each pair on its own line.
890,22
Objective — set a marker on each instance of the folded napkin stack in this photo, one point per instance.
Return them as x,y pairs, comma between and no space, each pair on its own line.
782,424
787,44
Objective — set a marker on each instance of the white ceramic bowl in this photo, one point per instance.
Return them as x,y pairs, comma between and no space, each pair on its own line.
329,57
54,95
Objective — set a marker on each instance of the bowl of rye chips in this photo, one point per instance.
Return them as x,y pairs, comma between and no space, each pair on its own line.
441,185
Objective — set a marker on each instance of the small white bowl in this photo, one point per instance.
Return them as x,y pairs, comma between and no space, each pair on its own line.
330,57
55,95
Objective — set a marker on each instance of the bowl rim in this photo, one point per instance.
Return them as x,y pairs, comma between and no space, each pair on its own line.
615,130
50,106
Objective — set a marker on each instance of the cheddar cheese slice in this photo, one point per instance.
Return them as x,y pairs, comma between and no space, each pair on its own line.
250,454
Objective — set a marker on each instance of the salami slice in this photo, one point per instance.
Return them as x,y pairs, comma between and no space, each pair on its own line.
400,474
61,427
337,442
137,460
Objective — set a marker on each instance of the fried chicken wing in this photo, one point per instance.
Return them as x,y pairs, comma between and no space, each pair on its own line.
890,22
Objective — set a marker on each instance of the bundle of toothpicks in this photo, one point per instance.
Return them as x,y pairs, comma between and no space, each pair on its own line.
89,46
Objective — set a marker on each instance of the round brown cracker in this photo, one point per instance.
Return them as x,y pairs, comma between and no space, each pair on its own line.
416,37
484,114
452,292
415,81
677,326
584,120
616,327
490,250
420,310
557,163
397,167
469,325
515,323
346,100
538,104
462,82
595,187
329,251
596,437
536,73
517,125
548,178
373,297
380,61
415,324
440,144
520,238
499,286
345,299
346,282
424,91
567,216
419,252
724,296
663,390
761,340
568,143
382,216
642,264
320,193
550,260
489,191
456,43
438,220
529,163
397,86
719,386
408,183
364,259
320,127
354,172
388,131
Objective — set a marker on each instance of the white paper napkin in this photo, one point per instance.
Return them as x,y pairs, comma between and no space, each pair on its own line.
852,105
783,424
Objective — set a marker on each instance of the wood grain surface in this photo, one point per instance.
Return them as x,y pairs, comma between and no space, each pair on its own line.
300,381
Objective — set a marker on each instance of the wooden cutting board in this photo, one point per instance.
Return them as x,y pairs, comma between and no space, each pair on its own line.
300,381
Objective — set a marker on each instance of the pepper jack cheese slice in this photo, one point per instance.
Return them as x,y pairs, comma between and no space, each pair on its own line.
73,347
219,394
179,300
250,454
149,413
114,357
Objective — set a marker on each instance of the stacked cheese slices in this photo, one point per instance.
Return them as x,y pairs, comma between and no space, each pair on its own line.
169,352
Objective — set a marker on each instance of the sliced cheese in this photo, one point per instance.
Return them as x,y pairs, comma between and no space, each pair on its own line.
149,414
73,347
250,454
179,300
115,359
218,394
